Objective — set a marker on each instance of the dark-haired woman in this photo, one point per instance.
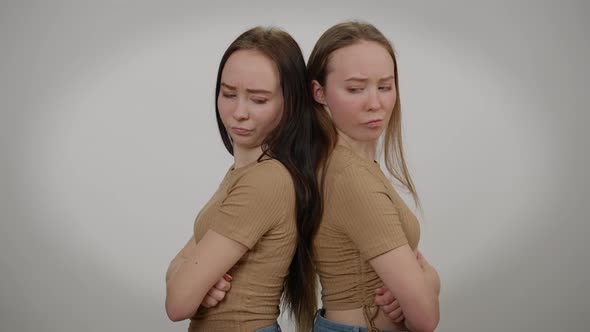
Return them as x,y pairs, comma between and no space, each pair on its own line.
256,226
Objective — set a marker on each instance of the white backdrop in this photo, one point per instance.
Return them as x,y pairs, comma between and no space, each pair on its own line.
110,148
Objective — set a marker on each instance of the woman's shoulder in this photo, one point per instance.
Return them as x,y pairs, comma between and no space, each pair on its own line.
348,169
270,169
268,174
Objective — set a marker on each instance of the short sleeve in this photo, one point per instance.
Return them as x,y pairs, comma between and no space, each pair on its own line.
366,213
258,201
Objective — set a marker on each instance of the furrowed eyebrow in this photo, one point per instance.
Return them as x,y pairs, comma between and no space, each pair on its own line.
364,79
360,79
259,91
228,86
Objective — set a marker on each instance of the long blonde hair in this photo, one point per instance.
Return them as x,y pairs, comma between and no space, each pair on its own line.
350,33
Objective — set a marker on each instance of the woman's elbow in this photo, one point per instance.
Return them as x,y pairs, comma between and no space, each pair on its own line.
176,311
425,324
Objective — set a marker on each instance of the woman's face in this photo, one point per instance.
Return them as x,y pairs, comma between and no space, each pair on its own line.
359,90
250,101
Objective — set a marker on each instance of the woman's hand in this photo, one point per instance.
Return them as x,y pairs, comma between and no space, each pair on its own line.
389,304
217,293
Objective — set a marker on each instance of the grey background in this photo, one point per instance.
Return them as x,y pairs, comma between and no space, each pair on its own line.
109,149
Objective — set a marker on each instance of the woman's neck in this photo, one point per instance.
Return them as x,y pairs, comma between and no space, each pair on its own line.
366,150
245,156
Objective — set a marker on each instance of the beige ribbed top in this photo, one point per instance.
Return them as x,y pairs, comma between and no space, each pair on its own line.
255,206
364,217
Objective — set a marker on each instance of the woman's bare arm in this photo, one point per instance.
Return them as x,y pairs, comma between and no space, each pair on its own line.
414,284
203,265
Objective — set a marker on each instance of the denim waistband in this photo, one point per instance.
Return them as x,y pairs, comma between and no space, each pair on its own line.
273,328
321,324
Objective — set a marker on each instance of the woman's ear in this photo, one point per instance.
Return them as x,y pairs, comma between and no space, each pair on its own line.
318,92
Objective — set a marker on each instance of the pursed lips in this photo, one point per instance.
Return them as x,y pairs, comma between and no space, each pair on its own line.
373,123
241,131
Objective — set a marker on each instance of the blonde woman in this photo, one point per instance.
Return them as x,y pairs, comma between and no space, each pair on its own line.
368,237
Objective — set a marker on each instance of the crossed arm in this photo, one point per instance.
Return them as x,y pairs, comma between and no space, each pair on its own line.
197,271
410,295
413,283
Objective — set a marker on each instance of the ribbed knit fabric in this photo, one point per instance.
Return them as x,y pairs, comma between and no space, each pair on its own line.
364,217
255,206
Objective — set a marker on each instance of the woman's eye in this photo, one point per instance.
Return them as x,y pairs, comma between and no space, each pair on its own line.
228,95
355,90
259,101
385,88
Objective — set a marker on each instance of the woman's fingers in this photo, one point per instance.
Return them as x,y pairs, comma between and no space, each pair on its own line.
399,319
385,298
394,315
209,302
222,285
389,308
217,294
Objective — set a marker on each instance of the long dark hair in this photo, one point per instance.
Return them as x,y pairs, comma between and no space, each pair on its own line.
350,33
300,143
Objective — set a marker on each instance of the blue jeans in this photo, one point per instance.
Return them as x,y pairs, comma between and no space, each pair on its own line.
273,328
321,324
